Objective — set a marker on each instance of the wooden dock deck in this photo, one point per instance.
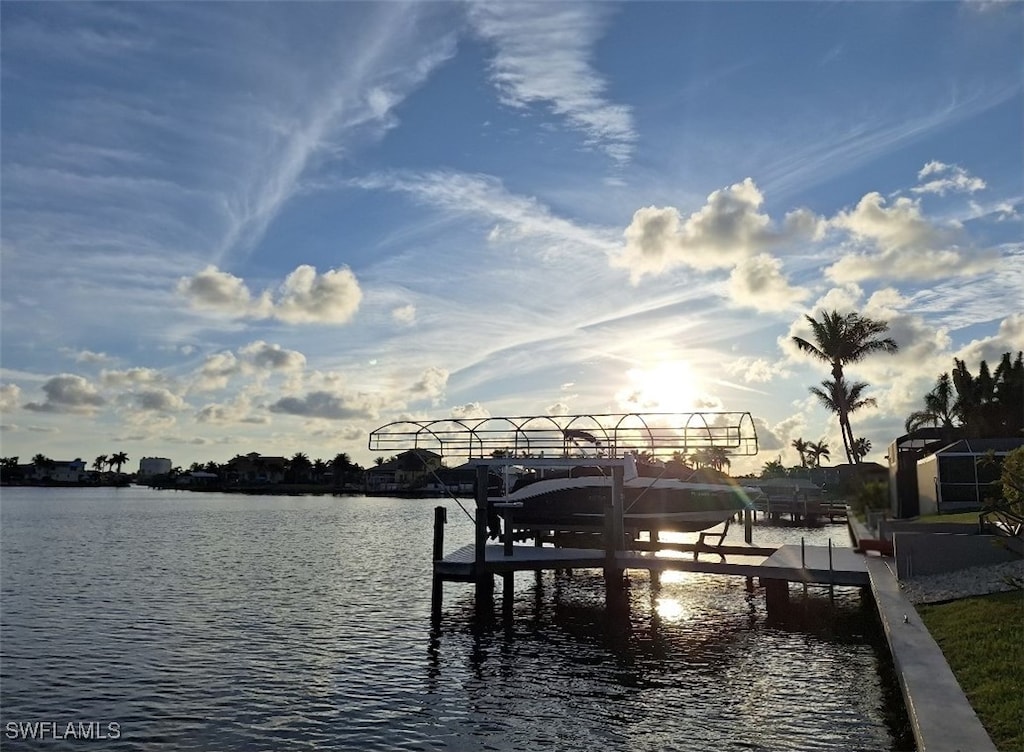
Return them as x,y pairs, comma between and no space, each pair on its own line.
813,565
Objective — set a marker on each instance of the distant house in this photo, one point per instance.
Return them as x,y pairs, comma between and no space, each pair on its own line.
454,481
150,466
197,479
256,468
59,471
408,471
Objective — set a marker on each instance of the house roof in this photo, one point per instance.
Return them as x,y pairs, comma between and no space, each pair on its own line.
981,446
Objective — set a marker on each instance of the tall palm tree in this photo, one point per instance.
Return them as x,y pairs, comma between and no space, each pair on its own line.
843,399
117,460
801,448
840,339
99,462
815,451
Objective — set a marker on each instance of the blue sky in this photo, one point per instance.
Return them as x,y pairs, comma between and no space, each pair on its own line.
235,227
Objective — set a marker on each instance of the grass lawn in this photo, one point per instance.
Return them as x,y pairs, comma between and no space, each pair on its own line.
970,517
983,641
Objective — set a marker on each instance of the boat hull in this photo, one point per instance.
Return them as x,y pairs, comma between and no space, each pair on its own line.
668,506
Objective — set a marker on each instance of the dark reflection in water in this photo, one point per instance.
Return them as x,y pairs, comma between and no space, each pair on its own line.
247,623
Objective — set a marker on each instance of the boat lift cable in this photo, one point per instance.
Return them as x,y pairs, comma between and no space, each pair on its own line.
448,493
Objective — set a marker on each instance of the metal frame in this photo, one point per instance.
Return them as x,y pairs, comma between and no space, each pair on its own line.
534,436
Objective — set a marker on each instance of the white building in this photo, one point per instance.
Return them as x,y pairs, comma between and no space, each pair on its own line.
154,466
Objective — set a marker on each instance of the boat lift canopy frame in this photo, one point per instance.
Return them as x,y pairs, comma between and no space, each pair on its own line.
608,435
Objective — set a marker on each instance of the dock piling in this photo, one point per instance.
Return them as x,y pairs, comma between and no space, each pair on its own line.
437,585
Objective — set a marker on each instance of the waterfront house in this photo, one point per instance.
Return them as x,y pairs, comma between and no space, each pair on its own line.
405,472
256,468
59,471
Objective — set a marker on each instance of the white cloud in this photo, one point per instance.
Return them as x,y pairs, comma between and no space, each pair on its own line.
470,410
10,395
759,283
132,377
328,406
898,242
216,371
68,393
947,179
158,400
431,383
272,357
728,229
755,370
404,315
305,297
543,53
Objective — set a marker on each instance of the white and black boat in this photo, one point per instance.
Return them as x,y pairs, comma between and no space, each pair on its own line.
650,503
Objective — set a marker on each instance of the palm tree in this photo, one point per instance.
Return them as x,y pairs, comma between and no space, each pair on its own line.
99,462
860,449
841,339
773,469
299,465
843,399
718,458
815,451
801,448
117,460
940,405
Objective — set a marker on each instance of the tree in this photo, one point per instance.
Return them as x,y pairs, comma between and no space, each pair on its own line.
117,460
843,399
839,340
939,407
989,405
801,448
1012,479
860,449
99,462
299,467
773,469
815,451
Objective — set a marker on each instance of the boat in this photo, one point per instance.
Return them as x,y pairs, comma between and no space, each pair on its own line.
578,502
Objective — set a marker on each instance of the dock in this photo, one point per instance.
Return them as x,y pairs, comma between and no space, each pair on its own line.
775,568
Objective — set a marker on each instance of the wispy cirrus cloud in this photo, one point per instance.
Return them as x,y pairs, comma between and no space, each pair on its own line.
543,54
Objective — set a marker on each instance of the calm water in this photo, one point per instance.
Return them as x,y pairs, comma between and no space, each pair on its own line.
204,621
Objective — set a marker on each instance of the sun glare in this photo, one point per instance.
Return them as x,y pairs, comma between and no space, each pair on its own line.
669,386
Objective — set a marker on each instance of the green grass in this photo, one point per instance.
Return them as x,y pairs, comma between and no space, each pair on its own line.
983,641
971,517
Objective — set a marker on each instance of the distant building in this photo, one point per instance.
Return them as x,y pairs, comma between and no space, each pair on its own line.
149,466
255,468
408,471
59,471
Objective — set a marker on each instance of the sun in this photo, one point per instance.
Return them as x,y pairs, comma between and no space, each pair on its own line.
668,386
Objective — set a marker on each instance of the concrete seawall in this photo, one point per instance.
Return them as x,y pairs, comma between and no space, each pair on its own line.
940,715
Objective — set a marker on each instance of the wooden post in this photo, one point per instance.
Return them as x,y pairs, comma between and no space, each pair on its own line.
508,589
613,533
437,588
776,596
748,526
483,578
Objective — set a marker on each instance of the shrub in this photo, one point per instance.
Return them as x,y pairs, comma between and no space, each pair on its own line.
871,496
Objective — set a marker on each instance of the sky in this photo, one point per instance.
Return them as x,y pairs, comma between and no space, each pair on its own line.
274,227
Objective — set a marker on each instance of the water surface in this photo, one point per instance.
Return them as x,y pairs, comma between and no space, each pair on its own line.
210,621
